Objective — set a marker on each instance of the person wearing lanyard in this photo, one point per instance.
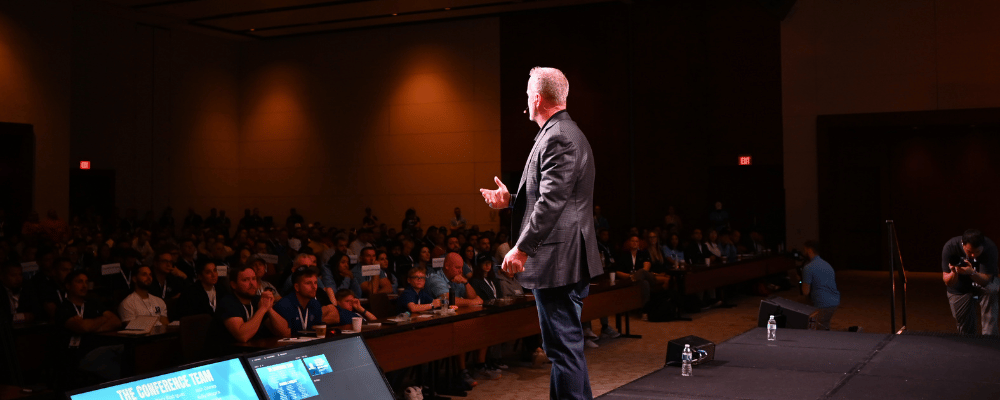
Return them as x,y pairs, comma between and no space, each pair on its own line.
21,301
484,280
200,298
372,284
82,319
169,281
302,310
141,302
244,315
54,294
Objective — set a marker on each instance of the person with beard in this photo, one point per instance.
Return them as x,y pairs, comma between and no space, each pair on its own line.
188,261
243,315
302,310
141,302
81,321
54,294
168,280
201,298
20,300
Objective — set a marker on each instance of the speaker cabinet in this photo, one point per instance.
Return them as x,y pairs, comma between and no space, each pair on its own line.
788,314
676,347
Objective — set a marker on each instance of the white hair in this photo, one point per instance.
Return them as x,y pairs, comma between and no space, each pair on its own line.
551,84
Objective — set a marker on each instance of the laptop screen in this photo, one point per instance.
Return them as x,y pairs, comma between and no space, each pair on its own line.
336,369
219,380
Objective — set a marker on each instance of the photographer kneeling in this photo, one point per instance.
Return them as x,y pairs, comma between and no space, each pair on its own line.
969,265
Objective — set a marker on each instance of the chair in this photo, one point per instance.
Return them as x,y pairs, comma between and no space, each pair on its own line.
194,336
381,306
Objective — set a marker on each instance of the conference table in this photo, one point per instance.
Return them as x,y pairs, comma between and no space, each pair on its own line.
430,336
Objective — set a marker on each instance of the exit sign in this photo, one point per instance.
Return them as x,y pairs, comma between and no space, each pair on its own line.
746,159
84,164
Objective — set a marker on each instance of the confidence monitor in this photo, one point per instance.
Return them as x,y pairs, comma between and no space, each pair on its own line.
219,379
322,369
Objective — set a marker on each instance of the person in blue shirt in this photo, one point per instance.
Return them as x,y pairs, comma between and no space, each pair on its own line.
338,275
415,298
349,307
819,283
672,251
301,310
382,259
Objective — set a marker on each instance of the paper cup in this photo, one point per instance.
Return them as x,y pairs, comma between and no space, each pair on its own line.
612,277
320,330
356,324
708,261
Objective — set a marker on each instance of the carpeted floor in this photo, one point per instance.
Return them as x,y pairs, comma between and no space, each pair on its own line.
864,302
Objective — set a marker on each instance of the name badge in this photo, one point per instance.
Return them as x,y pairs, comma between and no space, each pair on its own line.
111,269
222,270
353,258
437,262
268,258
371,270
29,268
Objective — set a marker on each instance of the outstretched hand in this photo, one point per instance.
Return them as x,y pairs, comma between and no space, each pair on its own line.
499,198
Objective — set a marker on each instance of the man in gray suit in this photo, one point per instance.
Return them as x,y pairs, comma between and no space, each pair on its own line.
555,248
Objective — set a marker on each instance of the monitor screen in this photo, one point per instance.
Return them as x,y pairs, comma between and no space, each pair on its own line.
218,380
335,369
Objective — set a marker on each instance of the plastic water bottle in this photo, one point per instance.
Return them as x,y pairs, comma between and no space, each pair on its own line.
686,357
772,329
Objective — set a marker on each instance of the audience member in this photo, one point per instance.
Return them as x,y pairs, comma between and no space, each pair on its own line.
599,221
260,269
484,280
382,258
369,221
52,288
672,222
188,260
634,264
294,220
452,280
140,302
719,218
969,266
302,310
82,320
458,223
201,297
696,252
372,284
414,298
244,315
168,280
338,275
20,299
712,244
348,307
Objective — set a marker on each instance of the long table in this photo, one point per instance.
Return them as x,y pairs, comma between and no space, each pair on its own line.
471,328
697,278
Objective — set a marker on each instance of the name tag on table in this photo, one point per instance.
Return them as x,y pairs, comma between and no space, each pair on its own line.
222,270
437,262
268,258
29,268
353,258
371,270
111,269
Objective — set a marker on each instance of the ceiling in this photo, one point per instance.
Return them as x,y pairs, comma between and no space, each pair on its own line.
264,19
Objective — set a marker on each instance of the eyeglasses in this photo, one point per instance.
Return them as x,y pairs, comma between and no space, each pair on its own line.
419,278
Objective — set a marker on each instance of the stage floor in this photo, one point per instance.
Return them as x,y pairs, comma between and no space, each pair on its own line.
805,364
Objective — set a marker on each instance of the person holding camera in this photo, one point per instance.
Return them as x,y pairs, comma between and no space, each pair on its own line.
969,265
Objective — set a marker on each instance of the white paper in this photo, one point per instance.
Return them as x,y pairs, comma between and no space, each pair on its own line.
437,262
111,269
352,258
222,270
371,270
269,258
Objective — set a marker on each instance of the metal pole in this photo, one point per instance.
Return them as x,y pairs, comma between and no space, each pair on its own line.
892,277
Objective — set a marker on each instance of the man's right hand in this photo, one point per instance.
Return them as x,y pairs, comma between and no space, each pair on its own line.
499,198
436,303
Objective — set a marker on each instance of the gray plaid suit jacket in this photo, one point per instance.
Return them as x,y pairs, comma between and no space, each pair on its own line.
553,209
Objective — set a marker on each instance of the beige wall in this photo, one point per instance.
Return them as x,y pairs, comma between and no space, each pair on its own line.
35,89
390,118
845,57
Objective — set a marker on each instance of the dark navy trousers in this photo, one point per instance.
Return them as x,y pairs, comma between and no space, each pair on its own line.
562,339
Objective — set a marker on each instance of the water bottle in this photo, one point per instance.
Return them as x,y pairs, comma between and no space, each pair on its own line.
686,357
772,329
403,316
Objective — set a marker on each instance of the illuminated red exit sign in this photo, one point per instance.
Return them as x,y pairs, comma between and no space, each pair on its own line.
84,164
746,159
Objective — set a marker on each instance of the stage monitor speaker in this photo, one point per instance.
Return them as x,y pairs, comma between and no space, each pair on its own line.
788,314
676,347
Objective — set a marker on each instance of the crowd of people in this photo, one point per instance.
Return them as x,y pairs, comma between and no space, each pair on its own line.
261,278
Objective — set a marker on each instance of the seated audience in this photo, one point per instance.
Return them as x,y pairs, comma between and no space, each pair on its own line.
727,248
244,315
696,252
372,284
141,302
82,320
21,301
338,275
201,297
260,269
468,252
382,259
53,290
634,264
484,280
450,279
712,244
188,261
302,310
672,251
168,280
349,307
415,298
